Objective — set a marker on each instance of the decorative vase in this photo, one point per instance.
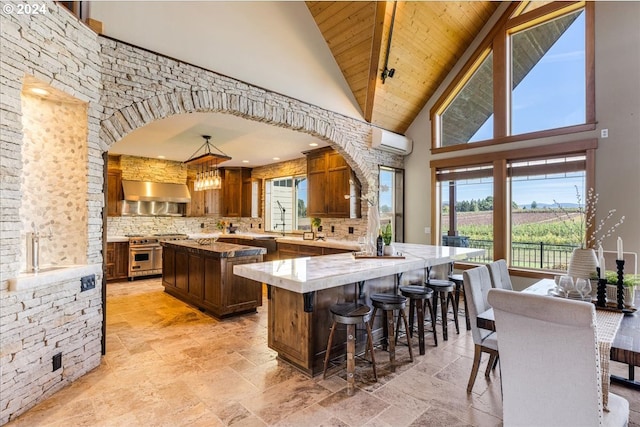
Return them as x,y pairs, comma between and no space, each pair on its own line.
389,249
628,294
373,228
583,263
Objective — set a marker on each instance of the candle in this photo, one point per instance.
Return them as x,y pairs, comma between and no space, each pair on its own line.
601,261
620,257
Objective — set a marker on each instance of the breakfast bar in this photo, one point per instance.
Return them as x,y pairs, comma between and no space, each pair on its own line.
301,290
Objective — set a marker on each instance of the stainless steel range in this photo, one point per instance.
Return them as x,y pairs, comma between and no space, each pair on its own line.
145,253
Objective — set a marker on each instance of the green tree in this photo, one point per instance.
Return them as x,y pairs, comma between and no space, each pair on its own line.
534,205
302,209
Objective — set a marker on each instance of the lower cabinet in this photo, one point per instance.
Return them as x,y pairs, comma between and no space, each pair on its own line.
291,250
208,282
117,260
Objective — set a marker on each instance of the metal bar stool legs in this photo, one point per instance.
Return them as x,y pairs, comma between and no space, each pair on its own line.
389,303
350,314
444,289
419,299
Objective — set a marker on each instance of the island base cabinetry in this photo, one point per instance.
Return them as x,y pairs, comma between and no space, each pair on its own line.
300,337
208,282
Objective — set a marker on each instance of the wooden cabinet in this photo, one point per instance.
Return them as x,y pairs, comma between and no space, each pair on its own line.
203,203
328,177
205,279
114,191
239,193
291,250
117,260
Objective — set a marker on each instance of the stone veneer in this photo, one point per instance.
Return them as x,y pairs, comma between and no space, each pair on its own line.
54,155
124,88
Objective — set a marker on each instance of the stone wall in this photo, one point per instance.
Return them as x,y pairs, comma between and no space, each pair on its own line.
57,51
155,170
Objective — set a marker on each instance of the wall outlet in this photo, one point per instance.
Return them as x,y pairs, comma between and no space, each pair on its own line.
350,230
87,282
57,362
251,225
202,225
333,229
259,226
604,133
427,230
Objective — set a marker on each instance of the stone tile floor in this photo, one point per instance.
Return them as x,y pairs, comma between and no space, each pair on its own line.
168,364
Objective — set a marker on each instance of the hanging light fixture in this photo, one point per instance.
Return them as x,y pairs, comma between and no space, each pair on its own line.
208,177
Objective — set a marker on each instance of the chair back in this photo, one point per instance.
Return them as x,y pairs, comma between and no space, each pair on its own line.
549,360
477,283
499,273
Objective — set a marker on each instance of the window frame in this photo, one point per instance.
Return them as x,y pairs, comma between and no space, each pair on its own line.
293,212
501,198
497,41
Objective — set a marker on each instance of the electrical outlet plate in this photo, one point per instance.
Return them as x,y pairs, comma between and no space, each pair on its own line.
87,282
57,362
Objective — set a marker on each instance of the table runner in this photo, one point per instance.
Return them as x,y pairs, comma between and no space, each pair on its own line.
607,324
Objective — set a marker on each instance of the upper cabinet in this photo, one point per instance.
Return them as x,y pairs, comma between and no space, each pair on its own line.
203,203
114,191
240,193
328,176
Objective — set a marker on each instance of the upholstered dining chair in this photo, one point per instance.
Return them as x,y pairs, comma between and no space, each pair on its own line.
477,284
499,273
550,363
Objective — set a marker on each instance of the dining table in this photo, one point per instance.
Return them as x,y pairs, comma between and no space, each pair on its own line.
618,334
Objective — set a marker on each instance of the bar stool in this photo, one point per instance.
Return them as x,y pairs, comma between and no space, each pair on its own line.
389,303
350,314
457,279
419,296
444,289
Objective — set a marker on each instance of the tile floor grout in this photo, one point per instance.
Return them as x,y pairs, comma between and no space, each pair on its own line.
168,364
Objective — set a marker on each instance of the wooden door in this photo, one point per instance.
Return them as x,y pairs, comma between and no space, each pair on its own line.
338,174
114,191
232,192
316,184
196,276
168,267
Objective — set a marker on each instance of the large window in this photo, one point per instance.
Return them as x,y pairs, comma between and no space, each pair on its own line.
532,75
521,205
286,204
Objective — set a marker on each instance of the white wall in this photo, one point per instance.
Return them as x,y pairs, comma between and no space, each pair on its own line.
617,109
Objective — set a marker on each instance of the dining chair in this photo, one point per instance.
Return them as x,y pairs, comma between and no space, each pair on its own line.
550,363
477,284
499,273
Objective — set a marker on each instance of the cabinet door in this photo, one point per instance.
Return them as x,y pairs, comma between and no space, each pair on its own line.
338,174
196,207
114,192
181,271
110,261
232,192
239,293
316,184
196,276
121,260
213,202
168,267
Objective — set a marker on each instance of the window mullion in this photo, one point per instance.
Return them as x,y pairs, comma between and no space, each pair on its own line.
501,87
501,229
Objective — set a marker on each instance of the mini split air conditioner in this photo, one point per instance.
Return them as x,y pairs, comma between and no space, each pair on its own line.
388,141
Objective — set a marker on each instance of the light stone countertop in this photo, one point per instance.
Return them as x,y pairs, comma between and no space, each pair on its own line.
217,249
52,274
117,239
310,274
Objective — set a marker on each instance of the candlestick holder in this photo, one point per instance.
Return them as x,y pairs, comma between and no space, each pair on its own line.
601,291
620,284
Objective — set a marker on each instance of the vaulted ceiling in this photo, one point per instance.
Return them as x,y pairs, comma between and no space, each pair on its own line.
421,41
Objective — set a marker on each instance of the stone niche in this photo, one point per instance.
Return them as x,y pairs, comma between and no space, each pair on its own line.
54,180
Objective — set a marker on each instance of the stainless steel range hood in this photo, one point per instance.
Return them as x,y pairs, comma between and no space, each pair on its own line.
144,198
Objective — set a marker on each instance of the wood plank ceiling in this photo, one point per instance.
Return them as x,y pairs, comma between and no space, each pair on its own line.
427,40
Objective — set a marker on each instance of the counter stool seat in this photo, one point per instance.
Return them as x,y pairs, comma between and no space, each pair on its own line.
457,279
389,303
445,290
350,314
419,296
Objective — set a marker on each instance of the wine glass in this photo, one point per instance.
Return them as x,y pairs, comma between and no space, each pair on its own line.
362,242
583,286
566,285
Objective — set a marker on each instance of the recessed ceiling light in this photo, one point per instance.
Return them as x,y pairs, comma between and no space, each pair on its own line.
245,161
39,91
161,157
276,158
314,144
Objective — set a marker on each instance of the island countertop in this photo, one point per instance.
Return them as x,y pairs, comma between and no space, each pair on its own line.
217,249
309,274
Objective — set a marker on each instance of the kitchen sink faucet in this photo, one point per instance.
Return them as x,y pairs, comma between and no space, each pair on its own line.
33,249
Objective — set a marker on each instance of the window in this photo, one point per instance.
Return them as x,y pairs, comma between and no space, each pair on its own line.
391,200
516,203
544,59
466,208
286,204
545,193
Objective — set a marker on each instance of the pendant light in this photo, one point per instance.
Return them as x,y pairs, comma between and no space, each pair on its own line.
208,177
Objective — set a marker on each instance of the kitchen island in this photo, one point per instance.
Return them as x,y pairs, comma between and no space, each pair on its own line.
202,275
301,291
